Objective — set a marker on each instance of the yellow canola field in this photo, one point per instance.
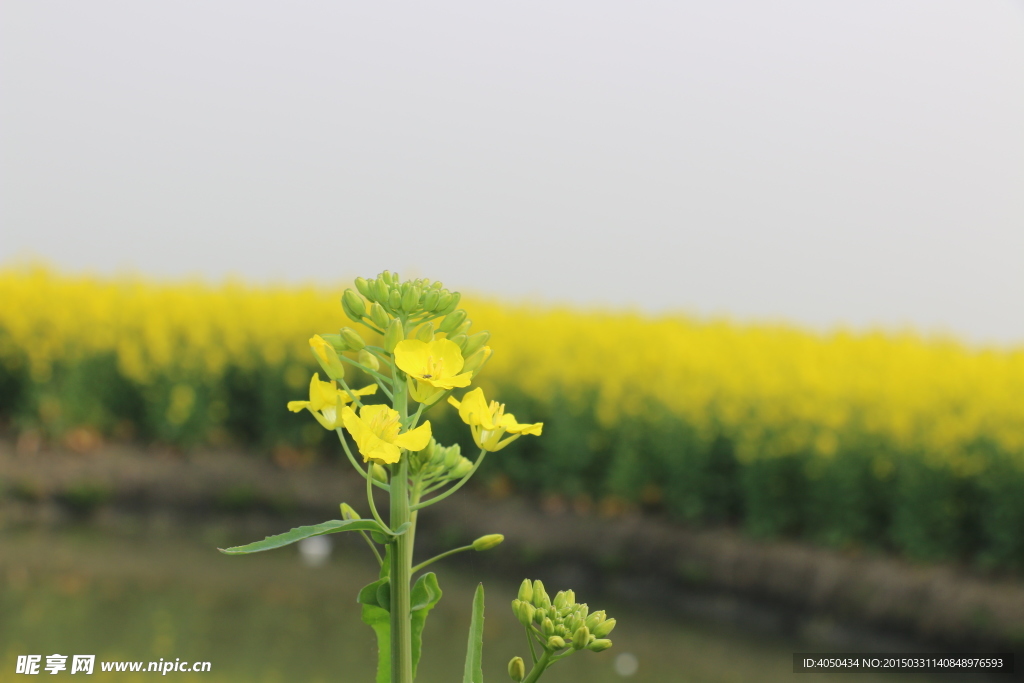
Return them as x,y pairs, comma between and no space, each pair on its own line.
775,390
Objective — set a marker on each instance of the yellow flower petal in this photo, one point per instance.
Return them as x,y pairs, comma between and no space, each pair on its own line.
436,363
297,406
474,409
416,440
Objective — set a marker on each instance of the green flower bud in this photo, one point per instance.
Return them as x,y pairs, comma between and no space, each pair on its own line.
436,284
336,342
393,335
395,299
411,299
556,643
451,458
451,306
559,602
379,316
462,329
477,360
368,359
476,342
347,512
594,619
570,597
431,299
540,597
524,611
460,340
526,590
487,542
430,450
561,630
442,301
364,288
379,473
461,469
353,305
580,638
517,669
604,628
352,338
599,645
547,627
380,291
388,278
581,611
425,333
452,321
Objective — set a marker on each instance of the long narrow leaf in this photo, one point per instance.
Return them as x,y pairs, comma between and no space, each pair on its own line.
474,652
299,533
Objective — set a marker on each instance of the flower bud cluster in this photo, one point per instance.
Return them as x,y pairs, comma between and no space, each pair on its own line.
386,297
439,463
562,622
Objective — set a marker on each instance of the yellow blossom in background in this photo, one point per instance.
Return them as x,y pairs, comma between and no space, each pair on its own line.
376,433
433,367
490,422
325,399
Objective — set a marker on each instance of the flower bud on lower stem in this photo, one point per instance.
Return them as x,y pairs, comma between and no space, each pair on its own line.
517,669
487,542
368,359
352,338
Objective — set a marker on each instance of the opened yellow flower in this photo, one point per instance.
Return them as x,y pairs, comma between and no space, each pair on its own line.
327,356
325,399
376,432
433,367
489,421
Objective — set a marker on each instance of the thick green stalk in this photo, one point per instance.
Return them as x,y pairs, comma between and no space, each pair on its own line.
538,668
401,561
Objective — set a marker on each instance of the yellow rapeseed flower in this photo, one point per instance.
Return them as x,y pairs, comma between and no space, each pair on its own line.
375,431
490,422
324,400
433,367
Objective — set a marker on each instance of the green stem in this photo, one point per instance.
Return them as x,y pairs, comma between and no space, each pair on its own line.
529,641
458,485
373,507
369,371
355,463
376,553
434,559
401,560
416,417
538,668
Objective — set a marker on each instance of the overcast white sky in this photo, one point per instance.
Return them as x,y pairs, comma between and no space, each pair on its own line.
857,162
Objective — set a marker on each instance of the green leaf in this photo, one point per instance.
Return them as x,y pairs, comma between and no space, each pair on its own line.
380,621
474,652
299,533
378,618
424,597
